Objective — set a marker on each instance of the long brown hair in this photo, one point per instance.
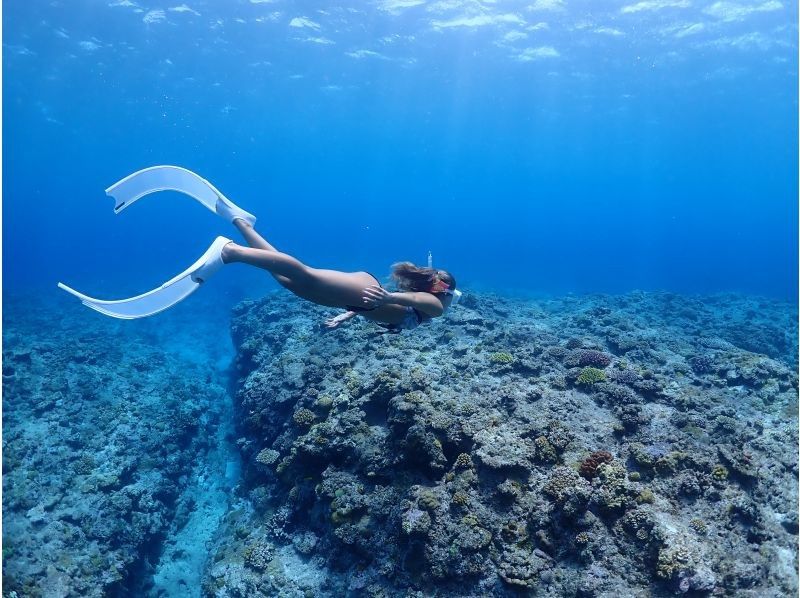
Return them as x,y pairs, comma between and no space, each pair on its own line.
409,277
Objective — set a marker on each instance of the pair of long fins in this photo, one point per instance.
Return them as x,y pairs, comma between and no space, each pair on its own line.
166,178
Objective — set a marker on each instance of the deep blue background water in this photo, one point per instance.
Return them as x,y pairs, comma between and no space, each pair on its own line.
537,146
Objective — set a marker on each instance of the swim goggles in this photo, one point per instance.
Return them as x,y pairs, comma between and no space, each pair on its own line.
442,287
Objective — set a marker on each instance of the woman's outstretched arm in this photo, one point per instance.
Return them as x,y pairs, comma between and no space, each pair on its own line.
424,302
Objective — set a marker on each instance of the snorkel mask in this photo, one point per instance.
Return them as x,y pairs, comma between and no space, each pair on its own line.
442,287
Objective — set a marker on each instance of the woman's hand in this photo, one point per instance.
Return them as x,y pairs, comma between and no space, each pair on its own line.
336,321
375,296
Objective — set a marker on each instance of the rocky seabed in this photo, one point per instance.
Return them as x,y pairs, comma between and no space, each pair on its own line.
634,445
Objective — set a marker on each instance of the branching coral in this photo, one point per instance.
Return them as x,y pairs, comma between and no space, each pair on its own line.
593,358
304,417
588,468
460,499
544,450
415,522
501,358
590,375
672,560
267,456
463,461
701,364
719,473
258,555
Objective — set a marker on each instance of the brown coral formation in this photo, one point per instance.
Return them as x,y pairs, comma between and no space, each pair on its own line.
590,464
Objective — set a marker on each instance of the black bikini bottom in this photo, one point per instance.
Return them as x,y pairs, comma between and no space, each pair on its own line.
356,307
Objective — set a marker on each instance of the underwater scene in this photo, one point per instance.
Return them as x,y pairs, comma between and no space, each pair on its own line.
400,298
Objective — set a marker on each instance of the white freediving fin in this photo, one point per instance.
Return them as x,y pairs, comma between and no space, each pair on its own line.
175,178
165,296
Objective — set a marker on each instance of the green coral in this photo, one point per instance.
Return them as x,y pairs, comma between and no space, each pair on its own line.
470,520
415,397
646,496
725,424
544,450
699,526
671,561
267,456
428,501
590,376
501,358
324,402
566,488
463,461
352,381
719,473
671,462
614,493
639,523
460,498
304,417
257,556
641,456
85,464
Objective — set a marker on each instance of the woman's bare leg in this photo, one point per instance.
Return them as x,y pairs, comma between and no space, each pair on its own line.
273,262
258,242
324,287
251,236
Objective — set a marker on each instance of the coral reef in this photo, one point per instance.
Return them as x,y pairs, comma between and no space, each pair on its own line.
457,460
588,468
106,430
634,445
590,375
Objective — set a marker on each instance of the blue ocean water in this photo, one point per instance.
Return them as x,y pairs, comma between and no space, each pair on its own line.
557,156
542,146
